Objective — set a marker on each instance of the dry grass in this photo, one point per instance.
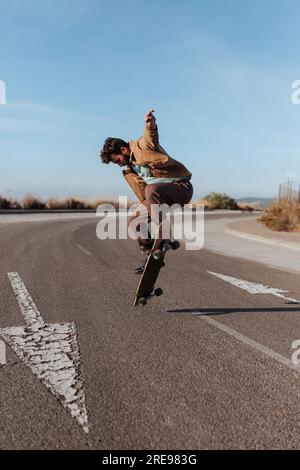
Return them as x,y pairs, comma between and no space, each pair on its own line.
31,202
8,203
211,205
71,203
207,204
282,216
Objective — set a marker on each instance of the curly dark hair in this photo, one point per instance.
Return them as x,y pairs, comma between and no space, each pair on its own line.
111,145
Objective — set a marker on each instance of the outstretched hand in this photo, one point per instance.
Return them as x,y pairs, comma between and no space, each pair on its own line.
150,119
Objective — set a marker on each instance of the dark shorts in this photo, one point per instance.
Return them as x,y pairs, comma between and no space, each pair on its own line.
179,193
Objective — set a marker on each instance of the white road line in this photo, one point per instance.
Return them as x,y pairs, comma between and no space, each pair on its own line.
253,288
51,352
28,308
250,342
2,353
87,252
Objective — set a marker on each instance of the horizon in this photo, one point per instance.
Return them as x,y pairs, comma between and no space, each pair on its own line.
78,71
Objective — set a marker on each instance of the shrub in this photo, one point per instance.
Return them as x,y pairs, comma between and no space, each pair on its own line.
8,203
33,203
74,203
55,204
5,203
282,216
221,201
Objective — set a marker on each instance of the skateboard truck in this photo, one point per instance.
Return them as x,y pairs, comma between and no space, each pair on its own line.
169,245
156,293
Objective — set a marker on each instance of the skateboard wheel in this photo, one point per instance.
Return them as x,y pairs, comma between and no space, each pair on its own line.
142,302
158,255
175,245
158,292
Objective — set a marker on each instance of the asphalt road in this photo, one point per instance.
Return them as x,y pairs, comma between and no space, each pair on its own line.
203,367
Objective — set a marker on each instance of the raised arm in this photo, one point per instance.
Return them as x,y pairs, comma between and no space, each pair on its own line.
151,138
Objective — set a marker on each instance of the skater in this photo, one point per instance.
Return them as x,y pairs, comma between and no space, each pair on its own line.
154,176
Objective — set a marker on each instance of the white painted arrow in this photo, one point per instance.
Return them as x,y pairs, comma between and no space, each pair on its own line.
253,288
2,354
51,352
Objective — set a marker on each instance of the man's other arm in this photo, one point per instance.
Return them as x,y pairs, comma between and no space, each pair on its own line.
136,183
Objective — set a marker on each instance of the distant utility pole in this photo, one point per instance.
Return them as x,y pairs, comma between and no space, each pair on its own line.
279,193
289,189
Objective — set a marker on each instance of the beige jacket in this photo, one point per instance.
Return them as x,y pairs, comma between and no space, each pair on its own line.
147,151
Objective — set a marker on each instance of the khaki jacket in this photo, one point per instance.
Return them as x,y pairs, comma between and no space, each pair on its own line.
147,151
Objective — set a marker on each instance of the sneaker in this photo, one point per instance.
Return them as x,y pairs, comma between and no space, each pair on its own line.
140,269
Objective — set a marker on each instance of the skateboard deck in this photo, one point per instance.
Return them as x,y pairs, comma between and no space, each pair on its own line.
155,261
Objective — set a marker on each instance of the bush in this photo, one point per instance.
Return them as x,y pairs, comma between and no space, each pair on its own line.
98,202
33,203
7,203
74,203
55,204
283,216
221,201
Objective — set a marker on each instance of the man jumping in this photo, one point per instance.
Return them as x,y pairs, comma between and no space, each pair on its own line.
154,176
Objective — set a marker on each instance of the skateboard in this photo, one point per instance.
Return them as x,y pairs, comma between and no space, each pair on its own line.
155,261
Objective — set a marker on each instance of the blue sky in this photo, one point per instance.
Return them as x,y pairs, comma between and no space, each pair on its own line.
218,72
